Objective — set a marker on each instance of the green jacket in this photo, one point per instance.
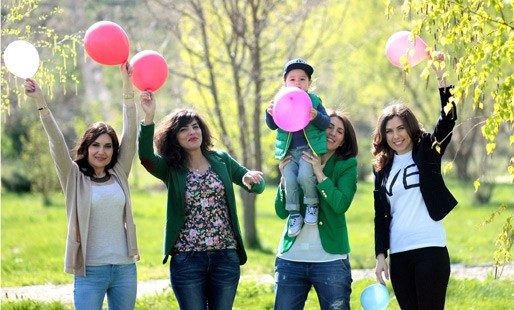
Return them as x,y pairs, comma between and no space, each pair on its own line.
336,194
229,171
316,138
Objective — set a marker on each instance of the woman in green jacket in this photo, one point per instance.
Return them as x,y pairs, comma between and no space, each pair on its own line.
202,233
318,256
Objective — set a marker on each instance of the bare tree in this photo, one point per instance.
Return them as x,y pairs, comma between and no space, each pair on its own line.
232,47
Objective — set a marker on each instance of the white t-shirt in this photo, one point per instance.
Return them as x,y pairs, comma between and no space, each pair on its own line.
107,241
411,225
307,248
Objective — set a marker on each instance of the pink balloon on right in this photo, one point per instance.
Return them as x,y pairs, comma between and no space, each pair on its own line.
149,70
400,44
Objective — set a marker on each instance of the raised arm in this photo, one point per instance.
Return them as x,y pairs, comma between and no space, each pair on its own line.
129,132
58,147
448,113
153,163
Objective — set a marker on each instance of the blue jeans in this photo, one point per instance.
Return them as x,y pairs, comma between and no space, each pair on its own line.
119,282
299,174
331,280
206,279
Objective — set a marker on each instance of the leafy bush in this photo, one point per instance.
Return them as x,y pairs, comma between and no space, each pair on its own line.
16,182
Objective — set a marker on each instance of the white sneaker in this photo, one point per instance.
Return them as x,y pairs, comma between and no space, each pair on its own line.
311,215
294,224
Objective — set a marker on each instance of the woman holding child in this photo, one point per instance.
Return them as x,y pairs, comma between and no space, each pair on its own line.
318,256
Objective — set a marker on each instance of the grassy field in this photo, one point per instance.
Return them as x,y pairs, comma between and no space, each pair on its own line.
462,294
33,242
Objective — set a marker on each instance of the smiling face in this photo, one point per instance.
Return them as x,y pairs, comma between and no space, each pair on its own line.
298,78
335,133
397,136
190,136
99,153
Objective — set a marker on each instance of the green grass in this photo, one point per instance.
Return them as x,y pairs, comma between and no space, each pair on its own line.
33,237
462,294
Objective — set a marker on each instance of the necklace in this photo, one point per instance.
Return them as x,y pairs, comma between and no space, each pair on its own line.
103,179
199,168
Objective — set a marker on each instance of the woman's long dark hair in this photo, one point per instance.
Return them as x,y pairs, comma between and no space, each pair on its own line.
381,150
166,141
91,134
349,148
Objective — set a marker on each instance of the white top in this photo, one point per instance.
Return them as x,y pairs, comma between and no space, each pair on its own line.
107,242
411,225
307,248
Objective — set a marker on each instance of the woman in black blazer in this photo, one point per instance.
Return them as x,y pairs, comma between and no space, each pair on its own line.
410,200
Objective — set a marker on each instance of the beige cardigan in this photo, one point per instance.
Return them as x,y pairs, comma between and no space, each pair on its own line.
77,187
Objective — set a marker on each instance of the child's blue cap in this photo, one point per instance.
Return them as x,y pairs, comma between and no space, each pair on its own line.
298,63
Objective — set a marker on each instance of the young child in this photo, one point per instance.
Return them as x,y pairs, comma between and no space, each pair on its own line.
312,139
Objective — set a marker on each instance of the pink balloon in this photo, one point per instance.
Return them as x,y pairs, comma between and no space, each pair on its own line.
400,44
107,43
149,70
292,109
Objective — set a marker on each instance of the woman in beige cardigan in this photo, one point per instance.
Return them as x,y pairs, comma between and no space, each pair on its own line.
101,247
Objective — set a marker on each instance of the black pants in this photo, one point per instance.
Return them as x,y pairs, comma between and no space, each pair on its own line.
420,277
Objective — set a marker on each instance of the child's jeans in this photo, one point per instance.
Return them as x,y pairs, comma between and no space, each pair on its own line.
299,174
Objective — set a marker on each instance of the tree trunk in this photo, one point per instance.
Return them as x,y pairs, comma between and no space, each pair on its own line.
250,231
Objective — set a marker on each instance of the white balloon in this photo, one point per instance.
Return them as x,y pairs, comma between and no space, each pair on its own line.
21,59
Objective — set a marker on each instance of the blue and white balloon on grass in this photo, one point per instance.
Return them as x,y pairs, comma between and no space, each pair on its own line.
375,297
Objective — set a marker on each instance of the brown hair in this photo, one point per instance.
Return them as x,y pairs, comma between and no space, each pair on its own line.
349,148
166,141
381,150
92,133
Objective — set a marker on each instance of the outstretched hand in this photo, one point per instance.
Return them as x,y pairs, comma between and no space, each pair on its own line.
126,72
252,177
32,89
438,64
148,106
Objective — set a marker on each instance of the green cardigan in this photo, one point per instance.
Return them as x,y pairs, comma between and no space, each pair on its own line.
336,194
229,171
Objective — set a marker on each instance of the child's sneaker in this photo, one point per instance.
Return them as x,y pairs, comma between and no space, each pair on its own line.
294,224
311,215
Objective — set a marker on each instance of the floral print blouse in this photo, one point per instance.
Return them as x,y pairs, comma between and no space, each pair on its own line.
207,222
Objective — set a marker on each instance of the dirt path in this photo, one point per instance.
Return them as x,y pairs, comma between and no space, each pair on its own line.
64,293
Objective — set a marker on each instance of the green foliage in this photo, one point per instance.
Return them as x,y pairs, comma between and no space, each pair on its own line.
502,255
32,305
480,35
26,20
29,20
39,164
14,181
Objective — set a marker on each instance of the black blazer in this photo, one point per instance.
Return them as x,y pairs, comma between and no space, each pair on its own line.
437,197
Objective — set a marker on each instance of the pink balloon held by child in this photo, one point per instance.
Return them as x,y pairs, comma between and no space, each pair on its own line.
292,109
